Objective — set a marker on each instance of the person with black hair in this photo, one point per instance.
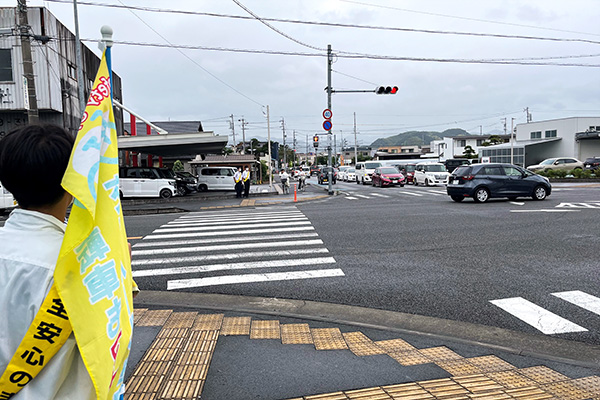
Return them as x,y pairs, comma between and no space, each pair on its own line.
33,160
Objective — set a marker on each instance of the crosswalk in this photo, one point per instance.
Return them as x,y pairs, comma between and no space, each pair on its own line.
544,320
393,193
221,248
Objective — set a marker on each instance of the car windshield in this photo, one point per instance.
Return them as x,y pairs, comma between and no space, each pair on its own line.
372,165
351,170
409,168
548,161
389,170
435,168
462,171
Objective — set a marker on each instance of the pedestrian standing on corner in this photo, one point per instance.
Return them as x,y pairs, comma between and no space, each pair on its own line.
246,180
237,177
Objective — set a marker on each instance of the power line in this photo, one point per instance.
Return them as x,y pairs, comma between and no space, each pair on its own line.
355,26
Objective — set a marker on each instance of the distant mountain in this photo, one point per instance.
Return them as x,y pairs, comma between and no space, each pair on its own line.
416,138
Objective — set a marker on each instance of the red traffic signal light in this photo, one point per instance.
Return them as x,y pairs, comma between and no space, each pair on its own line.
386,90
316,141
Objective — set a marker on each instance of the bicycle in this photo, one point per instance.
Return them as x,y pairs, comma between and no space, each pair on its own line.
302,183
285,183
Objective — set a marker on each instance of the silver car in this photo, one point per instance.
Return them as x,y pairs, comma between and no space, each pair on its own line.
563,163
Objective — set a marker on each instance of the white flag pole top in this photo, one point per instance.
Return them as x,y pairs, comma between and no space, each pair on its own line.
106,41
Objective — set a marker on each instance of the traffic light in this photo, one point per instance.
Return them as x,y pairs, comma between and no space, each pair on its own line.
386,90
316,141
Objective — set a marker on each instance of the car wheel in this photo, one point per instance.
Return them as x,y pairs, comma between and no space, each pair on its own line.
426,182
121,195
181,191
481,195
539,193
380,184
166,194
457,199
402,185
416,182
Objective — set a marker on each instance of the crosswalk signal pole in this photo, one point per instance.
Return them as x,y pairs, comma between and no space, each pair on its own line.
330,169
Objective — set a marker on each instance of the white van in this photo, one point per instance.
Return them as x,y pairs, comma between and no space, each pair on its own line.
145,182
364,171
6,199
430,174
216,178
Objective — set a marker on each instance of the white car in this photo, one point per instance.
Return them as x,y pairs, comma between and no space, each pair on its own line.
216,178
430,174
350,175
145,182
364,171
342,173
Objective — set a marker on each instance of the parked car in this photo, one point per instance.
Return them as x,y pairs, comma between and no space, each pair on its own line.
564,163
191,182
216,178
452,163
314,170
324,175
180,184
408,170
591,163
484,181
342,172
387,176
430,174
364,170
145,182
350,175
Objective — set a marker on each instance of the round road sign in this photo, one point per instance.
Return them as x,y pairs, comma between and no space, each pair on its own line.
327,125
327,113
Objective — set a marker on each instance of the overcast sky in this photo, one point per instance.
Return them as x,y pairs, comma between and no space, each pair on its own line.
163,83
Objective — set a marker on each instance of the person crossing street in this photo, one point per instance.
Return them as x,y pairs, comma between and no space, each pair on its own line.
237,177
246,180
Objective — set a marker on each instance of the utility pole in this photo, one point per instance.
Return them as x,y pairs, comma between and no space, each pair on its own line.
512,122
232,127
480,130
355,142
294,143
330,169
528,114
244,123
306,148
79,61
29,77
270,169
284,152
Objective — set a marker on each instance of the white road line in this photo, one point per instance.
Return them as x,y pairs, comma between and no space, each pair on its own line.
225,247
209,214
536,316
228,256
410,193
249,278
362,196
435,193
226,240
250,217
581,299
233,266
549,211
233,231
231,226
351,198
438,192
232,221
380,195
578,205
517,203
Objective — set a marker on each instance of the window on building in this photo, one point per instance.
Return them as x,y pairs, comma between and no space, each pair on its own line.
536,135
461,143
480,142
550,133
72,71
6,72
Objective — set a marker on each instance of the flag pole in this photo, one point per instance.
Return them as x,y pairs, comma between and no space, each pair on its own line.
107,43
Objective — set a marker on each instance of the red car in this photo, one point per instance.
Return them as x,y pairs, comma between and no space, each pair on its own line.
387,176
408,170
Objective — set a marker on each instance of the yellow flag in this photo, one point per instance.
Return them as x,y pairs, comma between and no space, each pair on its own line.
93,273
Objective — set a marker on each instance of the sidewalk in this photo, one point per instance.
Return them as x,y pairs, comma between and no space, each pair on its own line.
190,346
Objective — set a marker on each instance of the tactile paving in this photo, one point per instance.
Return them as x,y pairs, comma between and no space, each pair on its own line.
441,353
265,330
235,326
328,396
395,345
511,379
296,334
375,393
138,313
542,374
328,339
478,383
208,322
566,390
494,395
443,388
154,318
529,393
590,384
180,320
490,364
407,358
407,391
459,367
361,345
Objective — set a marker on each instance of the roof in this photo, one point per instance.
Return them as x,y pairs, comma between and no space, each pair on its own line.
522,143
169,126
226,159
174,144
485,137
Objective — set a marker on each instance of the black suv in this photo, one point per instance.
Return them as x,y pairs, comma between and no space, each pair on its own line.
453,163
591,163
324,175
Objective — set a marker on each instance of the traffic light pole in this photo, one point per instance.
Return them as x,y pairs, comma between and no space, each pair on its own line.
330,170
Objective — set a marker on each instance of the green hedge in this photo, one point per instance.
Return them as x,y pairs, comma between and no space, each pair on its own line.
576,173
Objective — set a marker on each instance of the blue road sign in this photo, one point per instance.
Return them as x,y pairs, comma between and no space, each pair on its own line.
327,125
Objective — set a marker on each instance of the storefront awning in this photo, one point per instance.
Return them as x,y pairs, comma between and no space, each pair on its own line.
174,144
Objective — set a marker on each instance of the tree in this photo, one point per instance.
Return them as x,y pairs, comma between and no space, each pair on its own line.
177,166
469,152
495,139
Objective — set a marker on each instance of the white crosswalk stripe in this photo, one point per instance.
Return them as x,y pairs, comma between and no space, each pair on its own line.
232,244
546,321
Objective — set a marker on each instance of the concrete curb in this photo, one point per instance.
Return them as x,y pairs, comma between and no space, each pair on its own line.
539,346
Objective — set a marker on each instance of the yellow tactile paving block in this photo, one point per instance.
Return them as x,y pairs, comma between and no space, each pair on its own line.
530,393
407,358
328,396
459,367
296,334
154,318
235,326
511,379
376,393
361,345
180,320
395,345
542,375
478,383
138,313
490,364
493,395
408,391
441,353
566,390
328,339
590,383
444,388
208,322
265,330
